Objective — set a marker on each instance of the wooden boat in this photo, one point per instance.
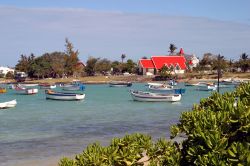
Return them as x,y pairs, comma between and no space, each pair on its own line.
8,104
25,91
120,84
72,87
3,90
148,96
63,96
47,86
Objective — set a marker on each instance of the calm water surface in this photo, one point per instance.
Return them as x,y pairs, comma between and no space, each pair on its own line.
38,128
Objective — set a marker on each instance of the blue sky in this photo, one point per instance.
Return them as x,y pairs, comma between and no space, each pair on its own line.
108,28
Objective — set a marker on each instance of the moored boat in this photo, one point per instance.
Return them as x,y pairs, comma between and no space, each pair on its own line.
3,90
63,96
73,87
154,84
25,91
47,86
162,87
8,104
29,85
207,87
148,96
120,84
190,83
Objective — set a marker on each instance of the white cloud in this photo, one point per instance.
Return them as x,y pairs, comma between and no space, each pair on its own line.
109,34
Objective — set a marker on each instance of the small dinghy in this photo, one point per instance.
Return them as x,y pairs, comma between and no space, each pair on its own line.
148,96
207,87
162,87
166,89
63,96
3,90
8,104
120,84
73,87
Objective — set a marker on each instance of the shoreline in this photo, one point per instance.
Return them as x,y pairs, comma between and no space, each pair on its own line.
107,79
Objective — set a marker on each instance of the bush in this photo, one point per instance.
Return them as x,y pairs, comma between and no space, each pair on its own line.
217,129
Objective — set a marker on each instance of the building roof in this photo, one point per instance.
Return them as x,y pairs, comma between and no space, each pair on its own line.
147,63
160,61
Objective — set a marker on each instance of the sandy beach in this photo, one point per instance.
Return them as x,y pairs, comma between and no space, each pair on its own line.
133,78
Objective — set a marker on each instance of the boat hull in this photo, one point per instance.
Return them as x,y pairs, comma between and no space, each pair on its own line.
9,104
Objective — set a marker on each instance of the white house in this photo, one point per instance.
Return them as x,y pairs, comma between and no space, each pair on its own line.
5,70
194,61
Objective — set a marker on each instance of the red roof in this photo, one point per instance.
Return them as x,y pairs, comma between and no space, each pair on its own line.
147,63
160,61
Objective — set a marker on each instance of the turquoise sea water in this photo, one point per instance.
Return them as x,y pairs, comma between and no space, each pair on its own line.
38,128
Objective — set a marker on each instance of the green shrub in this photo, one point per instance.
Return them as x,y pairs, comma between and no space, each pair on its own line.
217,129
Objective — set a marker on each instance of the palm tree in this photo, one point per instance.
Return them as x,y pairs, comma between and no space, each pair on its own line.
172,48
244,62
123,57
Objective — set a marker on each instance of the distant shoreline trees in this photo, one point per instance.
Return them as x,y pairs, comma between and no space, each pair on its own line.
55,64
66,64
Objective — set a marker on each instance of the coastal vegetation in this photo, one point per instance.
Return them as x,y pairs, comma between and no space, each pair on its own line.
216,133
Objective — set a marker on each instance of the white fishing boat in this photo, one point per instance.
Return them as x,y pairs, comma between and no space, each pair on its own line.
29,85
25,91
190,83
162,87
170,82
207,87
154,84
8,104
47,86
148,96
63,96
231,81
120,84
